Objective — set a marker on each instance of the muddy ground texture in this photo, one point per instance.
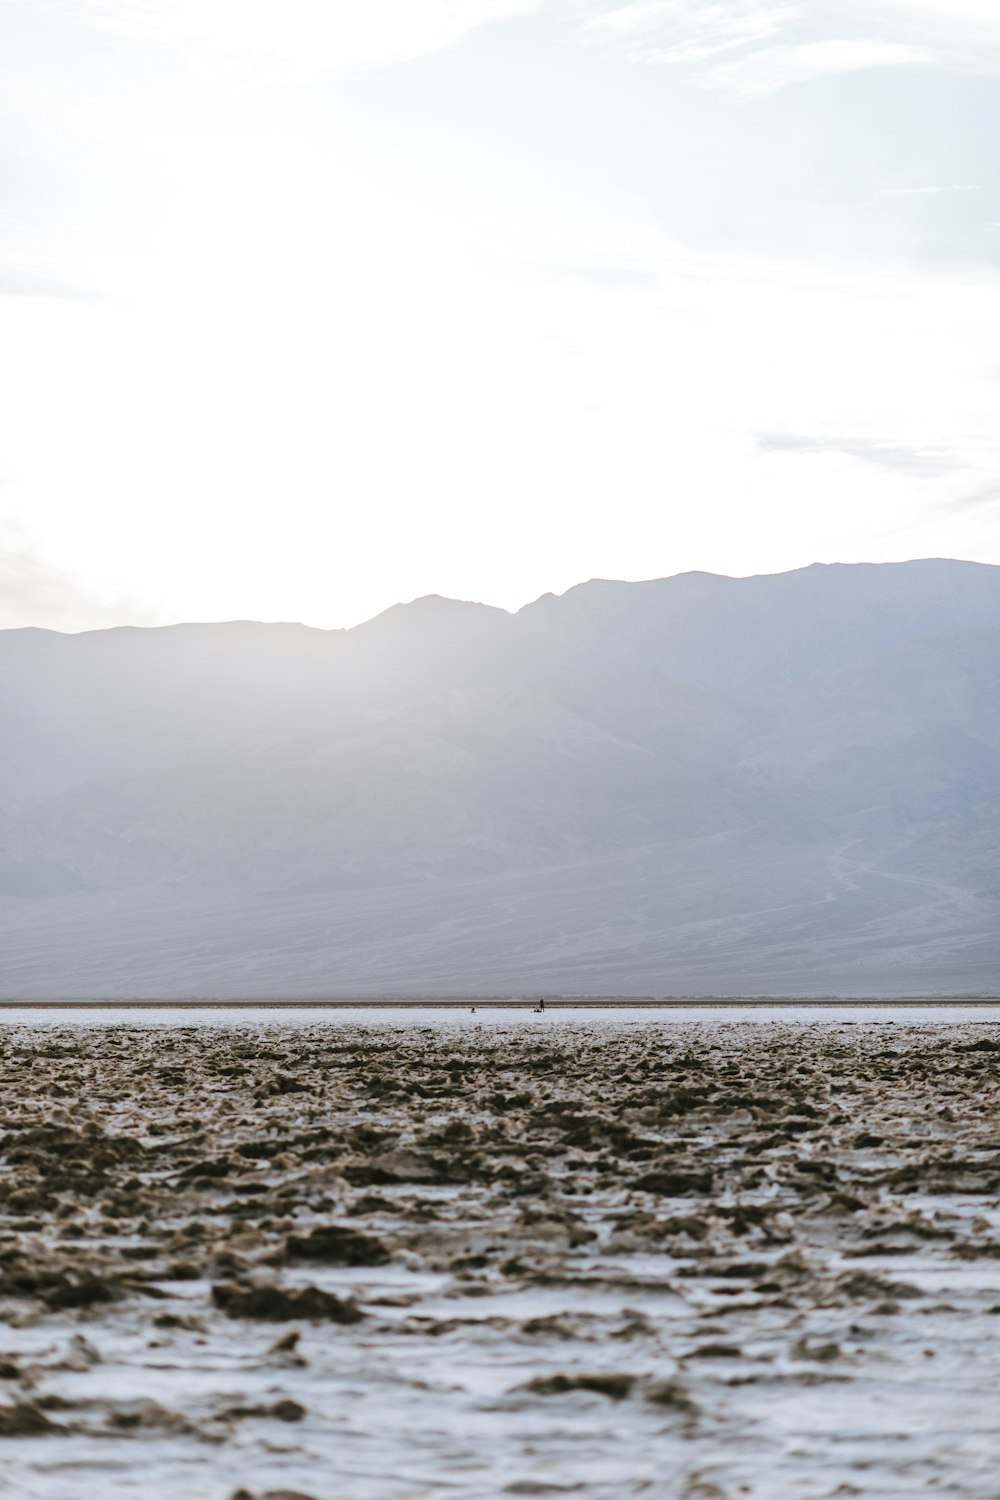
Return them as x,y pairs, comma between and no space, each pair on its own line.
703,1261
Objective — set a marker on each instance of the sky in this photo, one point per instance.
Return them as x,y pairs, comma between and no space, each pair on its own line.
310,306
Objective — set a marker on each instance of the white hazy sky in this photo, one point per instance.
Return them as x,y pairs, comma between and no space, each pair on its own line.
308,306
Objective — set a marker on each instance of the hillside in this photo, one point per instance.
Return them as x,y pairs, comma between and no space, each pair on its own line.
787,784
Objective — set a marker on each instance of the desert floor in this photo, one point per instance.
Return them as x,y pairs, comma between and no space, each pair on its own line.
535,1256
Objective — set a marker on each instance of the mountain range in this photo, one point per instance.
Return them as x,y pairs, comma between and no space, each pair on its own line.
787,784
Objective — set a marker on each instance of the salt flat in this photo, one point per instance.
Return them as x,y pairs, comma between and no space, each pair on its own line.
384,1254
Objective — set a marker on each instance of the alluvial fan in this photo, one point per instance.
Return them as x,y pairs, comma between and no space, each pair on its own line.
602,1260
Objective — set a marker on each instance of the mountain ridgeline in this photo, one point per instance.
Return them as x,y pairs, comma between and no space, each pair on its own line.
785,785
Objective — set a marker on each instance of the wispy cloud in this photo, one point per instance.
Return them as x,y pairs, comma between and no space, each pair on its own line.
757,47
933,190
958,15
773,68
751,47
925,463
687,31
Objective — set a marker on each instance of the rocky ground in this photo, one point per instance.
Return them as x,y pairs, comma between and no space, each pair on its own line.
546,1256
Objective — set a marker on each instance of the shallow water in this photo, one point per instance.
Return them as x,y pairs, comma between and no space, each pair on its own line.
599,1253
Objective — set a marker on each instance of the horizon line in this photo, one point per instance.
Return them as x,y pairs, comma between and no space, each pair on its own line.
402,604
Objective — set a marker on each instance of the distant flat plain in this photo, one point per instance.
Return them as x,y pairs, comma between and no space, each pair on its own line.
411,1012
450,1002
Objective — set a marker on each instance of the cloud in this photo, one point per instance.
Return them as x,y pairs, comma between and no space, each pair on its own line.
773,68
32,593
253,41
756,47
917,192
750,47
686,31
979,14
925,463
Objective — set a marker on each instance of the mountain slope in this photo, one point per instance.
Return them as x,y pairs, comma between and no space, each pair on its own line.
785,784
